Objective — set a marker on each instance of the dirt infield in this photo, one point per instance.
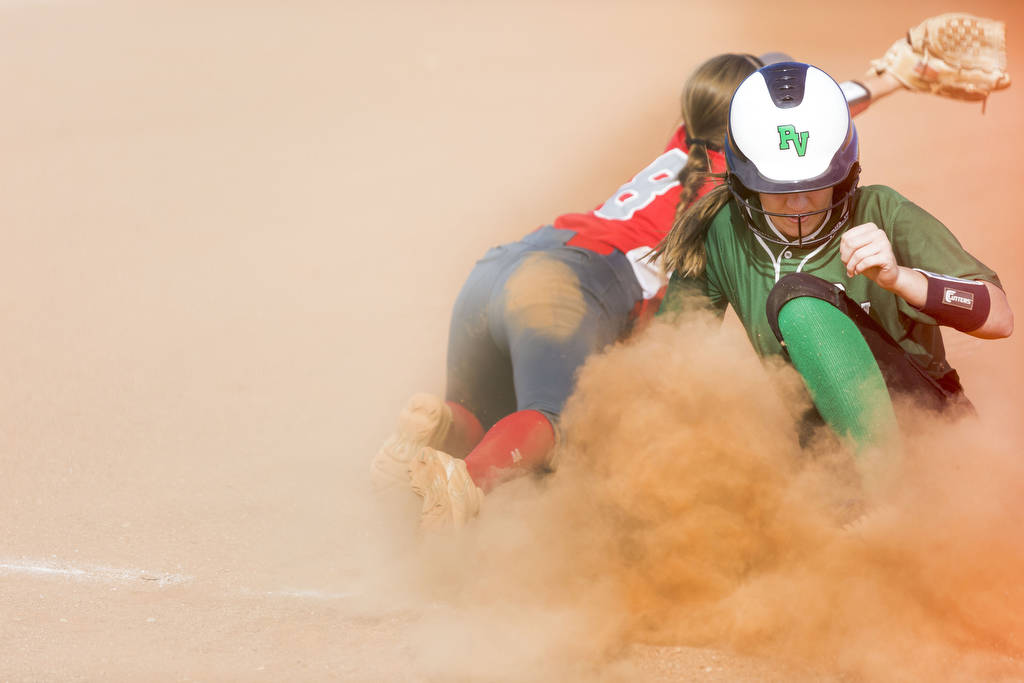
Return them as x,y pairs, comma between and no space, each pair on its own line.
231,239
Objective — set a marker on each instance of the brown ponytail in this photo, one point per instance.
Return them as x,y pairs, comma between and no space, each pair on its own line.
683,247
705,108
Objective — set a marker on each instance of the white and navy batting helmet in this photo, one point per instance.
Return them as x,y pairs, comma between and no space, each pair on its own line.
790,131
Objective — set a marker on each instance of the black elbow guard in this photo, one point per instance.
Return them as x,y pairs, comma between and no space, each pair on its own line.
961,304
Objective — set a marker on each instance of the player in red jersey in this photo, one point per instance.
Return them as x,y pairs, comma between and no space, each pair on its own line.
532,311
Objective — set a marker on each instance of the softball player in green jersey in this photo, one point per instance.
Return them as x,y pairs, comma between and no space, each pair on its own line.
804,257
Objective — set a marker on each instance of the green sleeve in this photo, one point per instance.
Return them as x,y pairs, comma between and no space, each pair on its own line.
686,294
920,240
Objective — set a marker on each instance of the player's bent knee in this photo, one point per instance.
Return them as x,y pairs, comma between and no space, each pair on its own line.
808,316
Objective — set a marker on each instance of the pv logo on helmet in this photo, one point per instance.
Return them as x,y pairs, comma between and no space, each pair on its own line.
788,134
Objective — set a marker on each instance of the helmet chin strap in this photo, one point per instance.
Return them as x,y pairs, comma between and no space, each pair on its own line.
799,226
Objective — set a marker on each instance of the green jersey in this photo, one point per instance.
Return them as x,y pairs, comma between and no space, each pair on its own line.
742,268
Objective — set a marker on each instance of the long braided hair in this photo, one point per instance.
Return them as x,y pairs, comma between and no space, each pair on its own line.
705,108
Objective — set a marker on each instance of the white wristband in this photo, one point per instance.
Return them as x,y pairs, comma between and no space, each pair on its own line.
857,96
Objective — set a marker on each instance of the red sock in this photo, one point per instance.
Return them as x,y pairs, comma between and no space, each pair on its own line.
516,444
465,433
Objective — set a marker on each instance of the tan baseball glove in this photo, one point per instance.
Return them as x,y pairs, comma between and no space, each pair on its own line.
954,55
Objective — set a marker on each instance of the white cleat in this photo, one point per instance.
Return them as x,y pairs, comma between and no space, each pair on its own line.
424,421
450,498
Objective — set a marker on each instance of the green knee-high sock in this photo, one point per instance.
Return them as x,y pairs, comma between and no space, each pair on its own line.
840,371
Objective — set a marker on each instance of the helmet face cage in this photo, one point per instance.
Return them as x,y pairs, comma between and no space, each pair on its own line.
790,131
842,197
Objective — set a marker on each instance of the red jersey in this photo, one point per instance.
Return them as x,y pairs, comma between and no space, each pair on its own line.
640,213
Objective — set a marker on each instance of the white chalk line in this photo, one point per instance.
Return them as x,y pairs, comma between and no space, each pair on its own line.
53,569
103,574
